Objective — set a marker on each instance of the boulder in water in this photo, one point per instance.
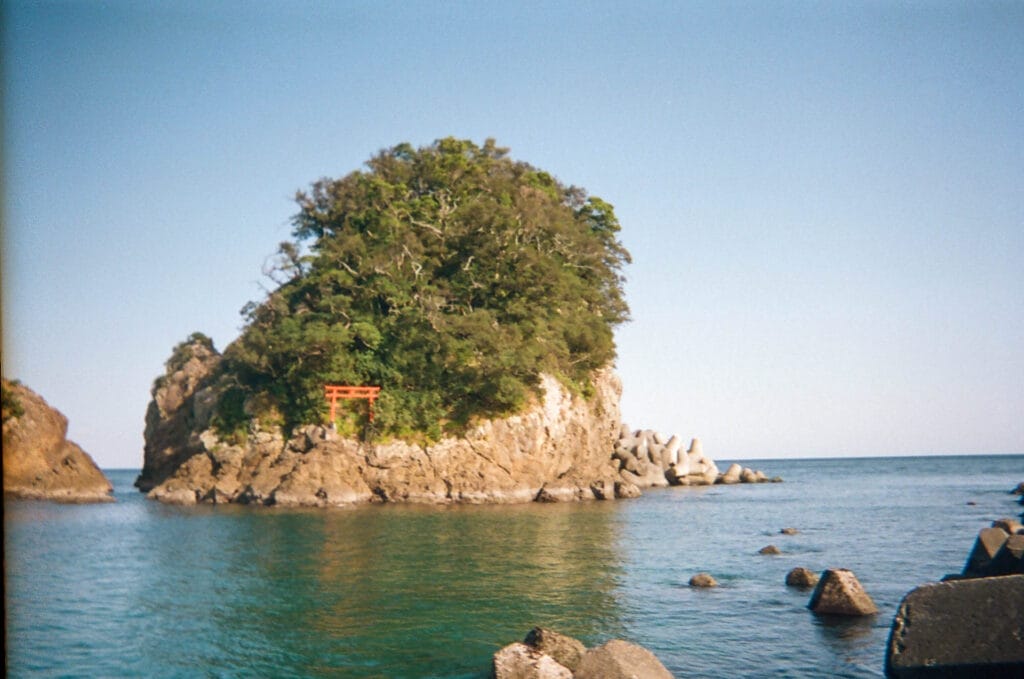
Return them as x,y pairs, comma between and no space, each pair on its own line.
789,531
703,580
803,578
840,593
732,474
566,650
619,659
769,550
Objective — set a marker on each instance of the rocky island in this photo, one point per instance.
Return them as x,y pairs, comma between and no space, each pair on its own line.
39,462
477,296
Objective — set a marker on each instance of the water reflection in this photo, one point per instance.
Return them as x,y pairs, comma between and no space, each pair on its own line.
397,590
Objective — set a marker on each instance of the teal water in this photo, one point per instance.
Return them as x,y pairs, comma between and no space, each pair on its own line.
136,588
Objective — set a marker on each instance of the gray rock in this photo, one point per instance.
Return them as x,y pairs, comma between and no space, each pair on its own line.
519,661
840,593
989,541
961,628
566,650
803,578
619,659
1009,559
703,580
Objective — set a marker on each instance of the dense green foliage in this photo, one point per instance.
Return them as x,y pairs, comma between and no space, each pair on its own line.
450,275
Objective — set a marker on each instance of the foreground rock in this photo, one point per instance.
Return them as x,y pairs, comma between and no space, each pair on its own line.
520,661
840,593
567,651
961,628
619,659
39,462
545,654
556,450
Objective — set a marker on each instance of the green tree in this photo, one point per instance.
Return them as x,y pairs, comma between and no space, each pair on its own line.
450,275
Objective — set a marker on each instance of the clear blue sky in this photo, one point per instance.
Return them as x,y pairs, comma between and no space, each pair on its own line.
824,200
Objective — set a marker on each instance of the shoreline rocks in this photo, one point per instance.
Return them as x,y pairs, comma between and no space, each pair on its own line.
39,463
649,459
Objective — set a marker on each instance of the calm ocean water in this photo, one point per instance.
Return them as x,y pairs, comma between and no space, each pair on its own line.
141,589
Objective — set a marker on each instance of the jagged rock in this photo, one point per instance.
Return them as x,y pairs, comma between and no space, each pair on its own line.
961,628
619,659
769,550
840,593
703,580
39,462
802,578
989,542
565,650
519,661
556,449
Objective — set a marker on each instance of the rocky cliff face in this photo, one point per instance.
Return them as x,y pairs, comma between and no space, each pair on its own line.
559,449
39,462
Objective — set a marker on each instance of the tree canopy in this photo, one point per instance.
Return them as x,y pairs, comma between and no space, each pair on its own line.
450,275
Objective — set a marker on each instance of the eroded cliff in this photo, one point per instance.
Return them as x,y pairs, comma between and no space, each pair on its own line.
39,462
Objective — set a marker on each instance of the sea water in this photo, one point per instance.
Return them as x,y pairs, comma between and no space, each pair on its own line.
137,588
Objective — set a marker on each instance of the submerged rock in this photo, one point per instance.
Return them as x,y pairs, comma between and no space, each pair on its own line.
789,531
703,580
39,462
769,550
961,628
840,593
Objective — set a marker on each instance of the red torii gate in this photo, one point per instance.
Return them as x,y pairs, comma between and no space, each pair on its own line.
333,392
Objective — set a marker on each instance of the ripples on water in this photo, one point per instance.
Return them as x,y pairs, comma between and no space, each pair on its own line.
138,588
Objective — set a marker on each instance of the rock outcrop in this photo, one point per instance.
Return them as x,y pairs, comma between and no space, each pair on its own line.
703,580
556,450
39,462
960,628
840,593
